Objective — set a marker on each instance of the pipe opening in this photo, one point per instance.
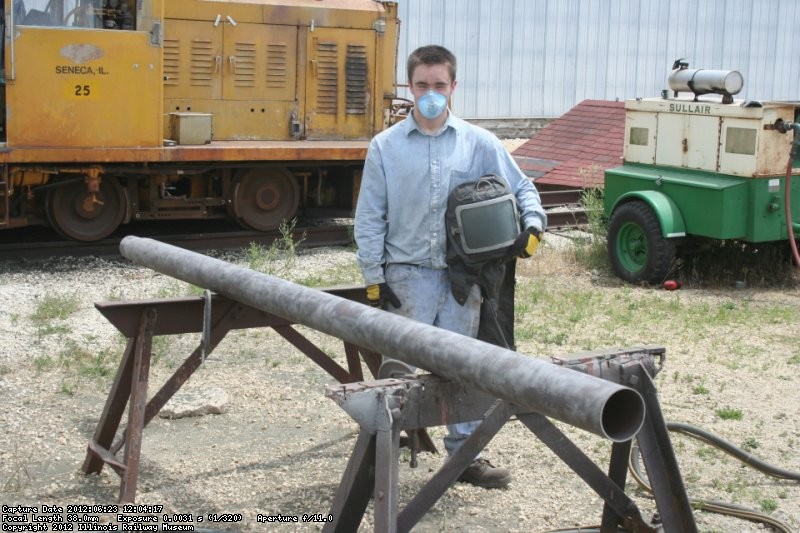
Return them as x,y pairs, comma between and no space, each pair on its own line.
623,415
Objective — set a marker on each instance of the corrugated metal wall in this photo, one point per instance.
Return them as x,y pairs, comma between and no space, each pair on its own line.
538,58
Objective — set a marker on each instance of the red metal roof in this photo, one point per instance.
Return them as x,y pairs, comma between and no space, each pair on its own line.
575,149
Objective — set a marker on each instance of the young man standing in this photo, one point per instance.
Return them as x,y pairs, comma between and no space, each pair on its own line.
409,172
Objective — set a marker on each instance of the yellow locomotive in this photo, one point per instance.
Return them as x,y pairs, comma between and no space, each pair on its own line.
121,110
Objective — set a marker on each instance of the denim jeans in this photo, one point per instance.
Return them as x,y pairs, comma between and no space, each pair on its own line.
426,297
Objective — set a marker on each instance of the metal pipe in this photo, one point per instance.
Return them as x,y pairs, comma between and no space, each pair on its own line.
593,404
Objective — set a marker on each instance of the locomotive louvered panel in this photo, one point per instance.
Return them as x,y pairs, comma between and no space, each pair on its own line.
277,65
203,62
356,74
172,61
327,78
244,66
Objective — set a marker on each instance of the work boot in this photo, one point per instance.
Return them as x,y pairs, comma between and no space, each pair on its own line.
482,473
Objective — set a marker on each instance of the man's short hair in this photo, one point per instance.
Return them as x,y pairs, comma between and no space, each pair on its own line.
431,54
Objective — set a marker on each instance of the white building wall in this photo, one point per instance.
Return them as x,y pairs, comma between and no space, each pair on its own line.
538,58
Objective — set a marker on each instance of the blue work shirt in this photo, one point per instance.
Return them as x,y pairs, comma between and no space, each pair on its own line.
407,178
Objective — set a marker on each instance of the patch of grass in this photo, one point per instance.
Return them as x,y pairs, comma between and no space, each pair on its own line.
52,307
67,389
114,294
279,258
750,443
348,274
729,413
51,329
592,253
706,453
17,475
768,505
75,359
42,362
720,263
699,389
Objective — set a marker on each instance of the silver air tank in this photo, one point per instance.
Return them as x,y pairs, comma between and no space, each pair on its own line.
704,81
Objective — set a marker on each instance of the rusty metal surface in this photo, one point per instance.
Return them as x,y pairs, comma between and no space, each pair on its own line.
214,151
112,414
137,320
384,406
662,467
610,410
186,313
136,409
422,401
564,208
559,198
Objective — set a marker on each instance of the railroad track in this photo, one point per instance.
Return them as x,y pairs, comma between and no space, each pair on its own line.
39,244
564,211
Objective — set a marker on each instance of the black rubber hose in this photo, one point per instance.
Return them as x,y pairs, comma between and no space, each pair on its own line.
723,508
746,458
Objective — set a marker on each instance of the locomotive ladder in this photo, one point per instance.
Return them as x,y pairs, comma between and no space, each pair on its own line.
214,317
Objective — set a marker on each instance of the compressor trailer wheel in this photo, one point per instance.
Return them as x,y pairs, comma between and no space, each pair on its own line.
638,251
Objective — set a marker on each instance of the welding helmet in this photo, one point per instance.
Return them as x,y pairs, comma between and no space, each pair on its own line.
485,215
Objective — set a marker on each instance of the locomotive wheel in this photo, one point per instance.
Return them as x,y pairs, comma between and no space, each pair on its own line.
77,214
263,198
638,251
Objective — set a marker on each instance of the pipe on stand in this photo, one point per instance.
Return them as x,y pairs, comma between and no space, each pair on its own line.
607,409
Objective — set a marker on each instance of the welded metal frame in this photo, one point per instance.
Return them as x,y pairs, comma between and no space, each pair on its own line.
595,391
138,321
384,408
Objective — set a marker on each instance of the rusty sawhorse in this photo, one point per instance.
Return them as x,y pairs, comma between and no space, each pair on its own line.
139,322
384,408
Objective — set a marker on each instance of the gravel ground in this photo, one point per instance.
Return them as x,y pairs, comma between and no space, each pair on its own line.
280,446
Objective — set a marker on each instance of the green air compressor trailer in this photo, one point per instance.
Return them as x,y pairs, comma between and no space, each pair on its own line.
701,166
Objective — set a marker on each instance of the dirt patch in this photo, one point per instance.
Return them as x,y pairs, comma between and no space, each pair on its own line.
280,447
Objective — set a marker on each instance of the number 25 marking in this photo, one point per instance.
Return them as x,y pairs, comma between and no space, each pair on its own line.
82,90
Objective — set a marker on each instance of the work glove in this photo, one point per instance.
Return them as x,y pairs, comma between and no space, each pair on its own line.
526,243
380,293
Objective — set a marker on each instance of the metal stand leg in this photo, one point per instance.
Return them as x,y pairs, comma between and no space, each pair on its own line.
617,473
387,448
568,452
97,452
139,377
352,496
661,465
428,495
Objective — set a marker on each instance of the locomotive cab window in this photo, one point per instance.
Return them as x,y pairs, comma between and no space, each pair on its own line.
100,14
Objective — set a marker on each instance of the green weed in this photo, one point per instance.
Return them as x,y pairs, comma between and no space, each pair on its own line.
55,307
592,252
729,413
280,257
17,476
750,443
768,505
